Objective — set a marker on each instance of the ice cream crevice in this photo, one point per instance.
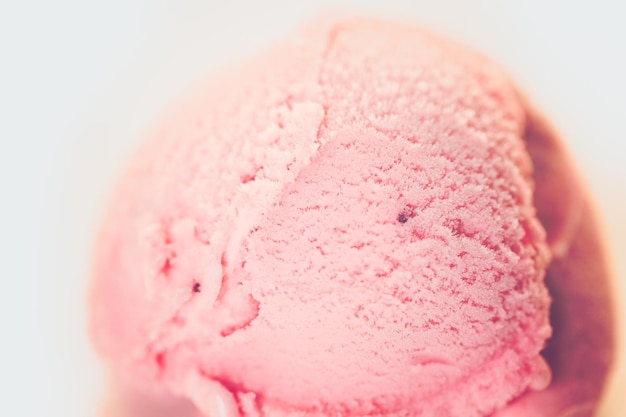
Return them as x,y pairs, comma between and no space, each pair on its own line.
212,396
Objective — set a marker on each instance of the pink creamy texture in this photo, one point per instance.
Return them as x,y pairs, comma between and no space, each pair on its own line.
343,227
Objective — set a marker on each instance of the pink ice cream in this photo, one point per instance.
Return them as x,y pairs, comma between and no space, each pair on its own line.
342,227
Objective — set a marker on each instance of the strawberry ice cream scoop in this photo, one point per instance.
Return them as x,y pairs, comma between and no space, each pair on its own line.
342,227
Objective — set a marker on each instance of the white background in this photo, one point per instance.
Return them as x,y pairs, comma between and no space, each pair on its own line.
81,81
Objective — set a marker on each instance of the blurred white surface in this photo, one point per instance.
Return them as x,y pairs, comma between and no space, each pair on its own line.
81,81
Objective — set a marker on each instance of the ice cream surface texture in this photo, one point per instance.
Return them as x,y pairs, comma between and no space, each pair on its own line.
342,227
